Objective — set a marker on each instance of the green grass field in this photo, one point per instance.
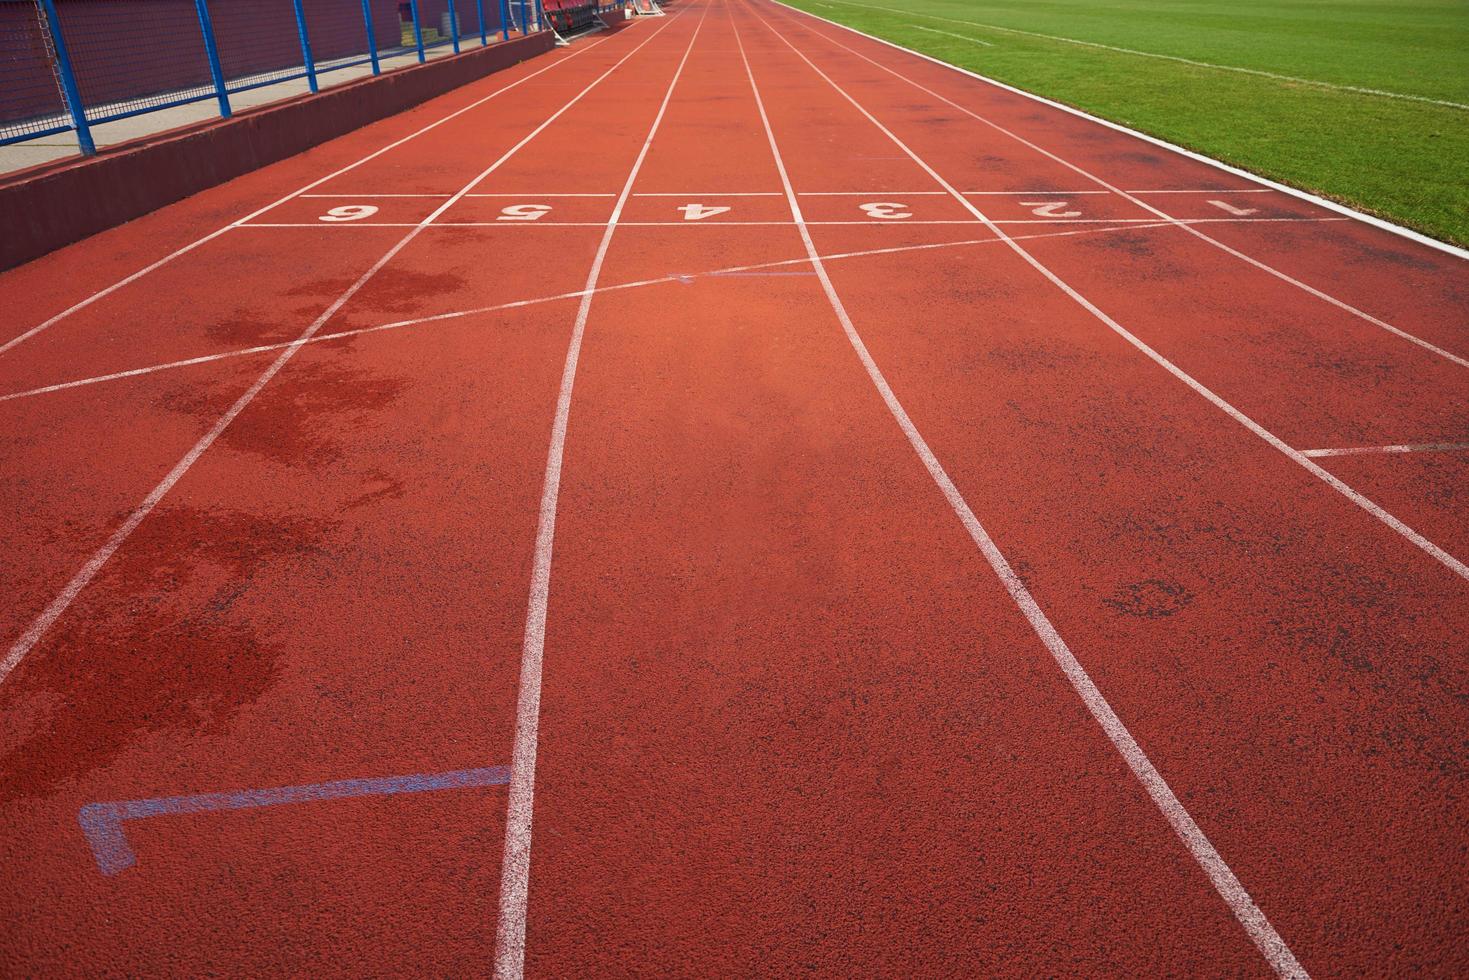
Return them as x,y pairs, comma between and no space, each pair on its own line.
1404,156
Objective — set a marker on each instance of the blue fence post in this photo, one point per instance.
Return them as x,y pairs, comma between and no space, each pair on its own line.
69,88
479,8
211,51
524,20
377,69
454,26
505,20
417,30
305,45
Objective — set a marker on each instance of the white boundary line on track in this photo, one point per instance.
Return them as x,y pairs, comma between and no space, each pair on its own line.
1330,205
84,576
1263,934
519,809
1250,260
1422,447
574,294
100,294
1117,222
1450,562
1258,72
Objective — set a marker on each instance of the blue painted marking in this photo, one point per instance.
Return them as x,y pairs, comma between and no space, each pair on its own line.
102,822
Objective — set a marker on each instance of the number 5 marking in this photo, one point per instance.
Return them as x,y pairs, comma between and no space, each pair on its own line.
349,212
1049,209
886,209
524,212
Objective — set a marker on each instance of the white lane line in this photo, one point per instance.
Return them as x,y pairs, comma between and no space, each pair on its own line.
1427,547
1121,222
1266,939
1250,260
1210,190
1422,447
101,294
692,196
1292,79
84,576
962,37
515,868
1265,182
574,294
355,196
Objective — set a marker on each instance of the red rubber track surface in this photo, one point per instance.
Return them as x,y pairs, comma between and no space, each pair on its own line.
790,717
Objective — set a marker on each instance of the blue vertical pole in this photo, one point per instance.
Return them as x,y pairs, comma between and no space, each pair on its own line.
206,27
479,8
524,20
377,69
417,30
305,45
454,26
540,15
69,88
505,20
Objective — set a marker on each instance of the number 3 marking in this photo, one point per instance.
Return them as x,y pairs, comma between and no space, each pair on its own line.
886,209
349,212
524,212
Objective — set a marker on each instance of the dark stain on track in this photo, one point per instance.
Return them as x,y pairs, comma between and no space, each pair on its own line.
143,659
1151,598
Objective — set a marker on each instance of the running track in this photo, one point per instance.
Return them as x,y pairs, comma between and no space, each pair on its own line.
950,574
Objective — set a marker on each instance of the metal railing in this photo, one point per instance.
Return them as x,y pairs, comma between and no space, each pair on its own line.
70,65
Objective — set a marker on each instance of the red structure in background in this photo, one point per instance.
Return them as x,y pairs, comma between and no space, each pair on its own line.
125,50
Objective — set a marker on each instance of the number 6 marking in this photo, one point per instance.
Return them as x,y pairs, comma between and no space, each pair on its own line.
524,212
349,212
886,209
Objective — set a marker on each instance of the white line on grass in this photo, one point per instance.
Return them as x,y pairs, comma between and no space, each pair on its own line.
100,294
515,867
1250,260
1315,83
1295,192
962,37
1413,537
84,576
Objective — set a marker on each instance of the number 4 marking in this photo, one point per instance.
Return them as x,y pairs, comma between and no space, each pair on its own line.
698,212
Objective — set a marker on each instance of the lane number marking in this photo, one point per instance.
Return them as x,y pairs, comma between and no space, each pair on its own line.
1050,209
524,212
698,212
886,209
1231,209
350,212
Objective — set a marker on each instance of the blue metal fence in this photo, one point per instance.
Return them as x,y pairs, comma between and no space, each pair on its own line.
71,65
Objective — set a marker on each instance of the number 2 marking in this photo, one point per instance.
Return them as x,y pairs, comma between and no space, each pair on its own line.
886,209
349,212
1049,209
697,212
524,212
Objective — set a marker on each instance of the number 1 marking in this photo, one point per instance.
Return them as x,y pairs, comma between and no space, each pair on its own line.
1237,212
